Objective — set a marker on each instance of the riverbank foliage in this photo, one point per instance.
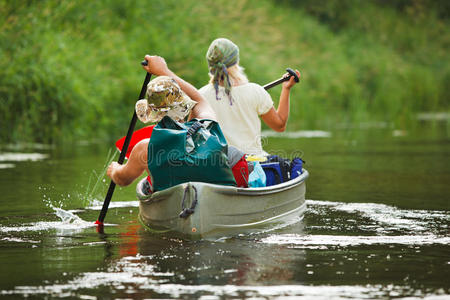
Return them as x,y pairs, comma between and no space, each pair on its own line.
70,69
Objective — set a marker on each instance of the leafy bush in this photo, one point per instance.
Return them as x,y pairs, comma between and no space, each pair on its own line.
70,69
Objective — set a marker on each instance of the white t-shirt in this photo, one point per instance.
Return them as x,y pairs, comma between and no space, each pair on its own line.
240,121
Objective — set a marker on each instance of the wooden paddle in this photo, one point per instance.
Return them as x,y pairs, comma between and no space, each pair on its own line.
125,145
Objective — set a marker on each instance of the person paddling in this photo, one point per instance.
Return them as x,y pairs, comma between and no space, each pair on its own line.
173,156
239,103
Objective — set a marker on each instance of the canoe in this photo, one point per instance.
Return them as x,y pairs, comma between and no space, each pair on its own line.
204,210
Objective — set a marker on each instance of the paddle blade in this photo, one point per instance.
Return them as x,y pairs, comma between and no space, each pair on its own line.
138,135
100,226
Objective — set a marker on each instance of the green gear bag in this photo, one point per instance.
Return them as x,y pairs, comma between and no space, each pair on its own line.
191,151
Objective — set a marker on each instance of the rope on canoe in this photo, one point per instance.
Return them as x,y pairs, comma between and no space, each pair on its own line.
186,212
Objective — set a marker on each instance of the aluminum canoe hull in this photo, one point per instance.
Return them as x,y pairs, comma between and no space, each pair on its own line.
224,210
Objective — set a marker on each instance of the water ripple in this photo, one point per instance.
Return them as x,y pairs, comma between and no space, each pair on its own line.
132,283
9,156
385,218
297,134
323,241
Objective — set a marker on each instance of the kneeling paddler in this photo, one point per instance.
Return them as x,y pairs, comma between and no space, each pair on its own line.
177,152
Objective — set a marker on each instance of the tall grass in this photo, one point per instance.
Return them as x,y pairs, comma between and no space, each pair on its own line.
70,69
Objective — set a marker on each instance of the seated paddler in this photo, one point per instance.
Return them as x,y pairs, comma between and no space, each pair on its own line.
177,151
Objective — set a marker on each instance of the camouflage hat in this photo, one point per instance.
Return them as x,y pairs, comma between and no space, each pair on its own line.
164,97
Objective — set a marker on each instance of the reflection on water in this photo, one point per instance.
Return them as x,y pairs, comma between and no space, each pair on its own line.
325,241
338,251
7,166
385,234
97,204
297,134
10,156
382,219
434,116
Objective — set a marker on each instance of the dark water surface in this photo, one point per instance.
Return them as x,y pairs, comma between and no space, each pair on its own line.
376,226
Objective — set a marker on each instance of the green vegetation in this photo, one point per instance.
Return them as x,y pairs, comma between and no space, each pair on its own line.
70,69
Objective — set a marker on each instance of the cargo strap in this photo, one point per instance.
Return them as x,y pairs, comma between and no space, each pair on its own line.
186,212
194,128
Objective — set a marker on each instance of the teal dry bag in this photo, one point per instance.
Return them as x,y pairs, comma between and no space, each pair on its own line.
191,151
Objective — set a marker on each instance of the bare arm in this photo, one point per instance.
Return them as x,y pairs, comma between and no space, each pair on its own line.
277,119
137,163
157,66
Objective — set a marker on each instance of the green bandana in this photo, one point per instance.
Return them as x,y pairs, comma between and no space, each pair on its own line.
222,54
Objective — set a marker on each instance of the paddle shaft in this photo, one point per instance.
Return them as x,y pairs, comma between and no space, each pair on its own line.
270,84
282,79
146,131
112,185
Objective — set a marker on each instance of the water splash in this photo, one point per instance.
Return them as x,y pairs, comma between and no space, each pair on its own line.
94,186
95,189
69,221
68,217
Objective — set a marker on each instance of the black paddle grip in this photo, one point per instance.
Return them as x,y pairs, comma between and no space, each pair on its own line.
292,73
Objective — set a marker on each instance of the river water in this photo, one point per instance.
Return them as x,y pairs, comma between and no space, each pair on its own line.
376,226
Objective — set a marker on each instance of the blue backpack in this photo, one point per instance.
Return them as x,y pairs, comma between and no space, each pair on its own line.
296,167
280,170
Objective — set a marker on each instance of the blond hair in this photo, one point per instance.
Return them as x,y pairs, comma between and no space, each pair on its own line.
235,74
